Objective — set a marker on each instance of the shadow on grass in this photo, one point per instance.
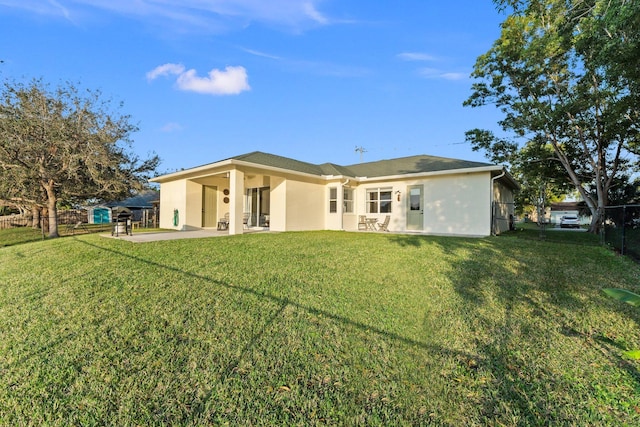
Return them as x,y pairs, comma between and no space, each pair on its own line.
496,275
283,303
485,274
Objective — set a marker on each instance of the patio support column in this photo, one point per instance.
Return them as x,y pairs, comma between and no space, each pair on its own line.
236,189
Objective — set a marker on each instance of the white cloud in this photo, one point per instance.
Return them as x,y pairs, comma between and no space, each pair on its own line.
311,11
416,56
433,73
230,81
190,15
165,70
261,54
454,76
39,7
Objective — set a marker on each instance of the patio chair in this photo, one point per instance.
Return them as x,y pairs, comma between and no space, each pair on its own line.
223,223
362,222
245,220
382,226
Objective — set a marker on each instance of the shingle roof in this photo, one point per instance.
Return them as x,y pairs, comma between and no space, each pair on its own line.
410,165
272,160
399,166
144,199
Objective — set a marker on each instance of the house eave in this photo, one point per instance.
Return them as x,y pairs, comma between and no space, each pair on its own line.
208,169
491,168
228,164
195,172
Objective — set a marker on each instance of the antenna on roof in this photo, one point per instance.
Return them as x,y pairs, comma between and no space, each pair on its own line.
361,150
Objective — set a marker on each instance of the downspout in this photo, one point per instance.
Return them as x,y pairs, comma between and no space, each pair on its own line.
342,205
493,180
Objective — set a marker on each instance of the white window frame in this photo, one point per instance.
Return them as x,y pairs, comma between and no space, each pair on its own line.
373,205
348,199
333,199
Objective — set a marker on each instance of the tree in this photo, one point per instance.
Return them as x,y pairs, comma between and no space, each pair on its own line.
556,88
65,145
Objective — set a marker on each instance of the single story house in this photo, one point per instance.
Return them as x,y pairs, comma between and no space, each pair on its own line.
558,210
143,206
421,194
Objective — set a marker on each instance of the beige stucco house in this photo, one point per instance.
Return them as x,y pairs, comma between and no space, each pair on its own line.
421,194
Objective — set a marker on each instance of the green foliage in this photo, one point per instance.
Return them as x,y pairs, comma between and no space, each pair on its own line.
549,77
623,295
314,328
632,299
65,146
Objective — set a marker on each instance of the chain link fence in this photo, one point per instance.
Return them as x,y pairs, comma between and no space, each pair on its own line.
621,229
68,221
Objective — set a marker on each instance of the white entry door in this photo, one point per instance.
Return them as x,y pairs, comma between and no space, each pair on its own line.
415,207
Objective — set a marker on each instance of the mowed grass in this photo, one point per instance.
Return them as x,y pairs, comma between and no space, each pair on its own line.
17,236
316,328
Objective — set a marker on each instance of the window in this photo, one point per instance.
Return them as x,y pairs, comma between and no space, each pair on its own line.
379,200
347,200
333,200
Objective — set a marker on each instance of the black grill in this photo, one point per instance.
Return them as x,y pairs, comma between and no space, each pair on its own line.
122,222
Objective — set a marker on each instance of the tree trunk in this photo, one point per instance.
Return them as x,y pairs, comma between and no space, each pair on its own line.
595,222
35,215
52,208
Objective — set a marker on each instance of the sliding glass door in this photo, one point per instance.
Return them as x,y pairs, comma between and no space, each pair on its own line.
257,205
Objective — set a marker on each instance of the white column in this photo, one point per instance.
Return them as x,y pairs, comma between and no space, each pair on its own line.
236,197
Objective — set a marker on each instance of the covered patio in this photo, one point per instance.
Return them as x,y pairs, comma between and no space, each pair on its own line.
244,193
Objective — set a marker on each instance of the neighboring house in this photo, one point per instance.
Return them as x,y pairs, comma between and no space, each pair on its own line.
143,208
422,194
558,210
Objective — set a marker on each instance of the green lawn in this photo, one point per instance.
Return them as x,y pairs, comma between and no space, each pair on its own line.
316,328
17,236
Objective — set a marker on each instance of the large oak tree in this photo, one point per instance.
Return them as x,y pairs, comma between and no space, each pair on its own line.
565,75
65,145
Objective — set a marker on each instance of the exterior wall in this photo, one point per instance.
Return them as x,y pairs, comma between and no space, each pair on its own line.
306,206
397,221
278,208
185,196
193,216
503,210
334,220
458,204
453,204
172,196
221,185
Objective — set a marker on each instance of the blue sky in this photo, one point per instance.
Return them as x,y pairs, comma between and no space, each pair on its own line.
308,79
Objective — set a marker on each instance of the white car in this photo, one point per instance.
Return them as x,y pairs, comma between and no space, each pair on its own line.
569,221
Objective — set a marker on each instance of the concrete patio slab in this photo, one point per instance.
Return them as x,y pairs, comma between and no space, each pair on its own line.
175,235
168,235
